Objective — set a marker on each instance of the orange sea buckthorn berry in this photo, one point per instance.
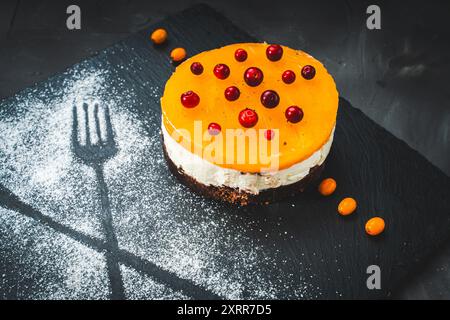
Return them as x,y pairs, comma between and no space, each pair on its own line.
375,226
327,186
159,36
178,54
347,206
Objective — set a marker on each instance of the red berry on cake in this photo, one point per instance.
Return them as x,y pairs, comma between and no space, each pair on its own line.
221,71
214,129
308,72
248,118
274,52
269,134
190,99
196,68
240,55
288,76
232,93
270,99
253,76
294,114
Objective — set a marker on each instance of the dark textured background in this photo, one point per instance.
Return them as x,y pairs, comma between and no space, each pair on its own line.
398,75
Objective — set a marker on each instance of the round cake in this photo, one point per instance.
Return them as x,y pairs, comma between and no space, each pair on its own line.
248,122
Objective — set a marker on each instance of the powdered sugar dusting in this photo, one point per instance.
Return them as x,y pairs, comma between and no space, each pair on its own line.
36,159
155,217
45,264
138,287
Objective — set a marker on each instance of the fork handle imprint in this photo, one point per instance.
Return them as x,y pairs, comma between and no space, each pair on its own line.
117,290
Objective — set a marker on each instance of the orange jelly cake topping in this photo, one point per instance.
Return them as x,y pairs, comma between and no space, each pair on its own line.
282,98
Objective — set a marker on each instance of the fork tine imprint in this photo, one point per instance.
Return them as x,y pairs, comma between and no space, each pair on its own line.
97,124
109,130
75,141
86,124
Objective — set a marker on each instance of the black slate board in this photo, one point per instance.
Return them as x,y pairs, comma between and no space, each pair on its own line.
325,253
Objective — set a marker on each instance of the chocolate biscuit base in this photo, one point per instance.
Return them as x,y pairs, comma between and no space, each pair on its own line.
234,195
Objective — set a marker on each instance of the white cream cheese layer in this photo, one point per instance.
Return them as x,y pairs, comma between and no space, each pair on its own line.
208,173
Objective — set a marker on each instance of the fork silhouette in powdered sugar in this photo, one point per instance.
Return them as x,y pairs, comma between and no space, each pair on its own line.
95,155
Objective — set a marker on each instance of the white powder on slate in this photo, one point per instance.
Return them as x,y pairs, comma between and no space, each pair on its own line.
155,217
140,287
36,161
43,264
